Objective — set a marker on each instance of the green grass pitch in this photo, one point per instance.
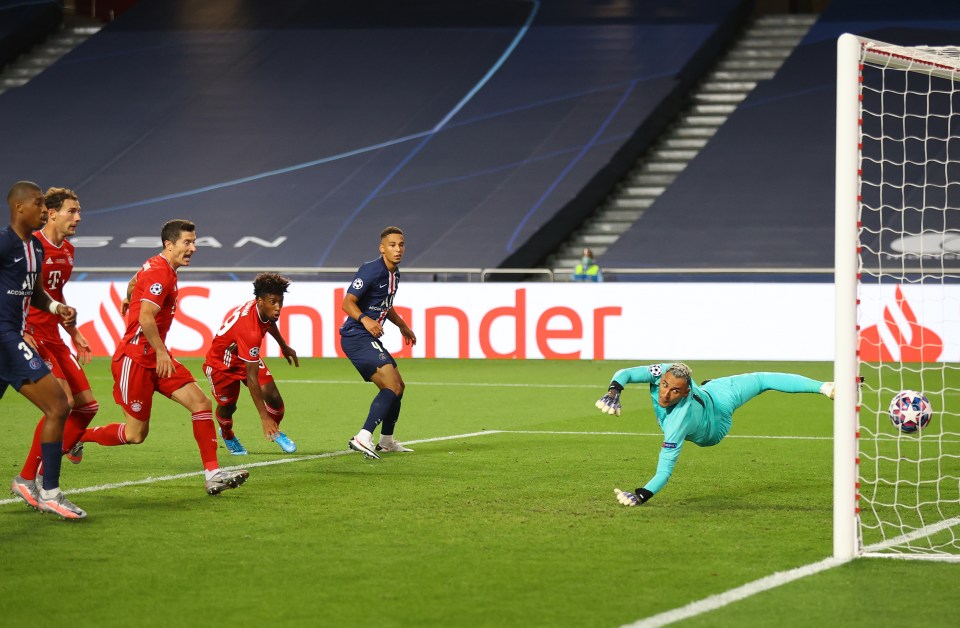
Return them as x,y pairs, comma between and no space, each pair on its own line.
504,515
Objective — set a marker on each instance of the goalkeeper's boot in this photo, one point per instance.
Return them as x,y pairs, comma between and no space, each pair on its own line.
366,448
26,490
829,389
233,445
224,480
59,505
75,453
388,444
285,443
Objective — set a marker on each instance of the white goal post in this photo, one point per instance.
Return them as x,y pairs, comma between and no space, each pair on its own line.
897,281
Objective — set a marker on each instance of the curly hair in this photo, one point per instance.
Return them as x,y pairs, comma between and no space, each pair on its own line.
269,283
54,197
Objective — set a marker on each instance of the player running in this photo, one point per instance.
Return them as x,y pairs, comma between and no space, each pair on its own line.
700,414
368,303
63,216
21,264
142,364
234,357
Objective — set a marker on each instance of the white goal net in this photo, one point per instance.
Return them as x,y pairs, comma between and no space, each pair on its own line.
898,299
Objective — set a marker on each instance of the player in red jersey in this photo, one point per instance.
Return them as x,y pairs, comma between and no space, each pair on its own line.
43,328
142,364
234,357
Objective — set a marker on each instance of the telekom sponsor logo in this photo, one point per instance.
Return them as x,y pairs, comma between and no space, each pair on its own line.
903,340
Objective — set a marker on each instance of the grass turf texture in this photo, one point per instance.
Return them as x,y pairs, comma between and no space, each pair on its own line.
518,528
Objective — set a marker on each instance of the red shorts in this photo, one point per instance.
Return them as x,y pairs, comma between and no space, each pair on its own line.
225,385
63,364
134,385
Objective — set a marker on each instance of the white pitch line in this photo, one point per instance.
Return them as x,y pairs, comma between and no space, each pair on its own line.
266,463
720,600
457,384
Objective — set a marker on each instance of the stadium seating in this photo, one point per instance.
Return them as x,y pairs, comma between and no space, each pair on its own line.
292,131
23,24
761,194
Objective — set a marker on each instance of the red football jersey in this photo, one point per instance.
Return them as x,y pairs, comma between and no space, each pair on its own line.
156,283
238,340
57,268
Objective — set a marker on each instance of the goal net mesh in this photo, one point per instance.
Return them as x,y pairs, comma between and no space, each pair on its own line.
909,298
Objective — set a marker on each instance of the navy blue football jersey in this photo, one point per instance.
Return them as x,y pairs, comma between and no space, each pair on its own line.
20,264
374,286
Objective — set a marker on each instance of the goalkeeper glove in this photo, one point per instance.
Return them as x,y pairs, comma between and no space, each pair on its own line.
641,496
610,402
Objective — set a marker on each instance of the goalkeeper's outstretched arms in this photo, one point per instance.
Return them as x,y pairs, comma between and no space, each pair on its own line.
669,453
610,402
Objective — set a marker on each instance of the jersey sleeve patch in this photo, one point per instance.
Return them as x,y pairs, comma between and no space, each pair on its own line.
669,445
655,370
358,283
156,289
254,352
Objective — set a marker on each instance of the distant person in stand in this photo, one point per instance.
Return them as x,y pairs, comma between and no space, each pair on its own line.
587,269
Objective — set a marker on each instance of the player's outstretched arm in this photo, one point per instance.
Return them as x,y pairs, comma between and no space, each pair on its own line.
148,324
610,402
80,344
352,309
125,302
285,350
268,423
409,337
43,301
638,497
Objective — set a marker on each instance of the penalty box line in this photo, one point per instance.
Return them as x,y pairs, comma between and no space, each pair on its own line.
344,452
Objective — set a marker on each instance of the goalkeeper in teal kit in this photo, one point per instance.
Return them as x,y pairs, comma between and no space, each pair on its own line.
699,414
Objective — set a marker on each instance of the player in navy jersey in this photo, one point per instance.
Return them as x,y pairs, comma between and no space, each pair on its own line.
21,262
700,414
368,303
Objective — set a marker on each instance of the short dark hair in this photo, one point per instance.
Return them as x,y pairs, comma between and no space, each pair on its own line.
19,190
269,283
173,228
389,231
54,197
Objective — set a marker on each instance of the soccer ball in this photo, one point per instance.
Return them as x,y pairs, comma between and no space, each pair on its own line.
910,411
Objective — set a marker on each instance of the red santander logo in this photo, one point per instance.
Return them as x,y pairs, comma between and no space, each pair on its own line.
912,342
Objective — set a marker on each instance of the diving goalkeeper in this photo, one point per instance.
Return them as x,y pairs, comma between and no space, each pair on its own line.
700,414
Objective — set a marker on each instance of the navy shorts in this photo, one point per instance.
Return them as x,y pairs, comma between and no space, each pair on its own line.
19,362
366,353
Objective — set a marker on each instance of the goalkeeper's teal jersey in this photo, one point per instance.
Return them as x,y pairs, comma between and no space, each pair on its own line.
705,415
